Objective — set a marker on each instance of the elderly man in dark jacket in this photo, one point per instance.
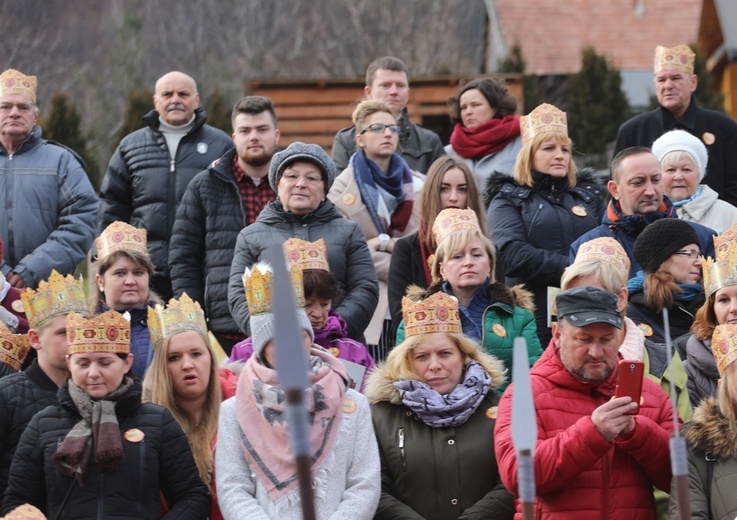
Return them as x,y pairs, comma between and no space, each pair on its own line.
151,168
49,206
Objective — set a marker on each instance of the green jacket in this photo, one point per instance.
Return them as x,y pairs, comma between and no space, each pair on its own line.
509,316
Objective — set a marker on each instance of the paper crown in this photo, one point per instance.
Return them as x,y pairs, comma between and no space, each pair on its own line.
59,295
605,249
451,220
258,283
120,236
307,255
722,271
108,332
674,58
180,315
436,313
15,82
25,512
13,348
724,345
545,118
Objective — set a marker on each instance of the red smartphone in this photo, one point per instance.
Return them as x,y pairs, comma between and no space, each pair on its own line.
630,381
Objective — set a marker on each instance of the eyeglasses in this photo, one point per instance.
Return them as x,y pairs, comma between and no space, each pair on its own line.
378,128
692,254
310,178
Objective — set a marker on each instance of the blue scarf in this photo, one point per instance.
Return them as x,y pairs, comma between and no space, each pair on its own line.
371,181
472,315
686,201
689,291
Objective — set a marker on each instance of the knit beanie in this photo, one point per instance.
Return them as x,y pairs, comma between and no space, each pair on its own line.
661,239
682,141
263,329
302,152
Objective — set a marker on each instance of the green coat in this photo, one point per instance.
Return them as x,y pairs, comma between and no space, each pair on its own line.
509,316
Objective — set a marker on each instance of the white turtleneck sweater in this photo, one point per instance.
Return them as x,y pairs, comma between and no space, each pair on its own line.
174,134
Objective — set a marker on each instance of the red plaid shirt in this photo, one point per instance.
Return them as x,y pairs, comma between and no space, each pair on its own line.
254,197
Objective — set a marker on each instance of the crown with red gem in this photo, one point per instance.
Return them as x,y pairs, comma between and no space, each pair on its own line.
120,236
545,118
55,297
679,58
724,345
722,271
258,286
107,332
15,82
605,249
180,315
307,255
436,313
13,348
451,220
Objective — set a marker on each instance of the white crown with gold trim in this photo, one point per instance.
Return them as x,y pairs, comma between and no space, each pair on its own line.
258,286
679,58
451,220
180,315
120,236
545,118
15,82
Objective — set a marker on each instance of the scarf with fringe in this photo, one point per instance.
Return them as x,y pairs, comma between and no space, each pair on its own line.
485,139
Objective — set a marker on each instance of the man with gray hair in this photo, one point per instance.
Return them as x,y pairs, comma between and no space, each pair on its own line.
387,80
151,168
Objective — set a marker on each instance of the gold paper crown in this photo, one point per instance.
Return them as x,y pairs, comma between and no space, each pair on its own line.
120,236
25,512
307,255
180,315
722,271
674,58
451,220
545,118
59,295
13,348
724,345
437,313
258,283
15,82
108,332
605,249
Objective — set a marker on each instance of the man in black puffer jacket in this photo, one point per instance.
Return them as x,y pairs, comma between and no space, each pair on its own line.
218,203
151,168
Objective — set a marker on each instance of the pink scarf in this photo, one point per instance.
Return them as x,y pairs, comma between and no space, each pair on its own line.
259,405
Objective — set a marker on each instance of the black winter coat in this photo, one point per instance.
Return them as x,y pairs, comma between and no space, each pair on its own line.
405,269
680,316
534,227
206,229
160,463
143,185
22,395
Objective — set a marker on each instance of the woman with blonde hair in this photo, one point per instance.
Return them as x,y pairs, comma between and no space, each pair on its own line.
449,184
436,393
379,192
536,216
184,379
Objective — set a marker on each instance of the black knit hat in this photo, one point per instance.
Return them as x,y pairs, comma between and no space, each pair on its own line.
661,239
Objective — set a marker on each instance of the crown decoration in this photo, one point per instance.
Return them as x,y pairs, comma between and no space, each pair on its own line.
15,82
722,271
120,236
59,295
605,249
180,315
25,512
545,118
258,283
307,255
13,348
724,345
108,332
452,219
680,58
436,313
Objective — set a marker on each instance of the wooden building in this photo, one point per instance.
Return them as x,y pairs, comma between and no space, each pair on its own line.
718,43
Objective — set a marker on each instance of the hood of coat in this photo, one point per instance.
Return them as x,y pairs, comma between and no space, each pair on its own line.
497,180
709,430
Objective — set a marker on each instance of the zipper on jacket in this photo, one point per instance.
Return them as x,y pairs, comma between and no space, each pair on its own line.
172,166
400,435
141,461
534,218
100,494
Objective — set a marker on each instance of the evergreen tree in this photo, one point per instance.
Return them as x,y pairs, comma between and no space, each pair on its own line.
218,112
62,123
596,104
140,102
515,62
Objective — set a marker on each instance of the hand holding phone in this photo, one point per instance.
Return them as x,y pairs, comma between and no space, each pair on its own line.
630,381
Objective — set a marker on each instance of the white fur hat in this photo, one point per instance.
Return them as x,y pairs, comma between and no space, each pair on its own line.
682,141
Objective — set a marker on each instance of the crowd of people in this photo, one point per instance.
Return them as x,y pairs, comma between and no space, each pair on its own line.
152,390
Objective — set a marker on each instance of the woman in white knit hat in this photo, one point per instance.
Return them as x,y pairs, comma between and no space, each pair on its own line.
683,158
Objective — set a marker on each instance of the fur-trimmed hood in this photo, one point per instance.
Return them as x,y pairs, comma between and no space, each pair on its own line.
516,296
709,430
497,180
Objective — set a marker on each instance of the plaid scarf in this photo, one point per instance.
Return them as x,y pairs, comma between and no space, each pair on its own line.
98,430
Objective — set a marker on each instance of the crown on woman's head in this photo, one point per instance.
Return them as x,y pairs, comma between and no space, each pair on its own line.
307,255
545,118
59,295
108,332
724,345
451,220
258,285
120,236
436,313
605,249
722,271
180,315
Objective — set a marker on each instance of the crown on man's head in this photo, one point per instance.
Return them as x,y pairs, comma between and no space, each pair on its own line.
59,295
722,271
545,118
436,313
13,348
120,236
15,82
679,58
451,220
108,332
258,285
180,315
307,255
